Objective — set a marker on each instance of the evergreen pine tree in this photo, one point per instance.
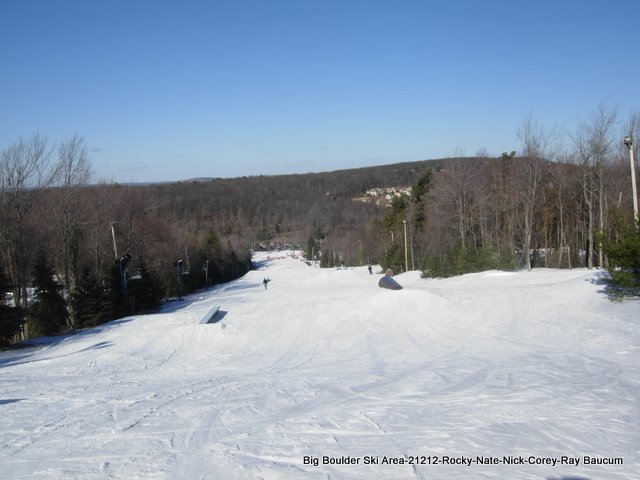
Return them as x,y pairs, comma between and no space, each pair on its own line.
211,249
10,317
418,194
48,315
623,251
394,258
311,246
89,301
113,301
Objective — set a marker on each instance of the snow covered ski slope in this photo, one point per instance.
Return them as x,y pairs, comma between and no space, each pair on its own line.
526,375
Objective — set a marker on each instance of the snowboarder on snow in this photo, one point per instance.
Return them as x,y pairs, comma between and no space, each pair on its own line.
266,282
370,270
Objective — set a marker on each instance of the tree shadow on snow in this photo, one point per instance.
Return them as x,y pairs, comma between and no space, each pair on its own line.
174,305
21,352
237,286
614,293
260,264
11,360
601,279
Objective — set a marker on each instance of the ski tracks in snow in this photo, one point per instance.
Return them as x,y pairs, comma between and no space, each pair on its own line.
324,363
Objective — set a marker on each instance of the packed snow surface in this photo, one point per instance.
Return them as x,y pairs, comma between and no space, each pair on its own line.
519,375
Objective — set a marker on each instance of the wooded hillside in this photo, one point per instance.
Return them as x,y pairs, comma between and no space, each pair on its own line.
118,249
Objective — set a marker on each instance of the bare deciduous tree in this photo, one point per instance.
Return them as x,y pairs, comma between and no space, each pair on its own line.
593,144
461,195
537,147
72,171
24,172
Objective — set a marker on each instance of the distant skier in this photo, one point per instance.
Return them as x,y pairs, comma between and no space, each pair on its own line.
266,282
370,270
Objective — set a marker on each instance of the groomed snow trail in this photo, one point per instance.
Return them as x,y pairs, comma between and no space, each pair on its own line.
532,366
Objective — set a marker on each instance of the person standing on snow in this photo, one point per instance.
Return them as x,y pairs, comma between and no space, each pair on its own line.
266,282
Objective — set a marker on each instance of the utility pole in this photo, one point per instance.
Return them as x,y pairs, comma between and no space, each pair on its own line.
628,141
413,264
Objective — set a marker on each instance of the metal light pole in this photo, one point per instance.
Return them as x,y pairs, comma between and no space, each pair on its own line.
413,264
406,256
628,141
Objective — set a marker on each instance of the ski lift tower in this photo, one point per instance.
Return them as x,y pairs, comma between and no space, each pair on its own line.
122,262
205,267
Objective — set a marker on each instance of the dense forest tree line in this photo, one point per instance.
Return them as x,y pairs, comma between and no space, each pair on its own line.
109,250
549,205
75,255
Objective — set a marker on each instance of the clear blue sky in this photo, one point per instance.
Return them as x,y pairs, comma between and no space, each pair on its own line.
169,90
